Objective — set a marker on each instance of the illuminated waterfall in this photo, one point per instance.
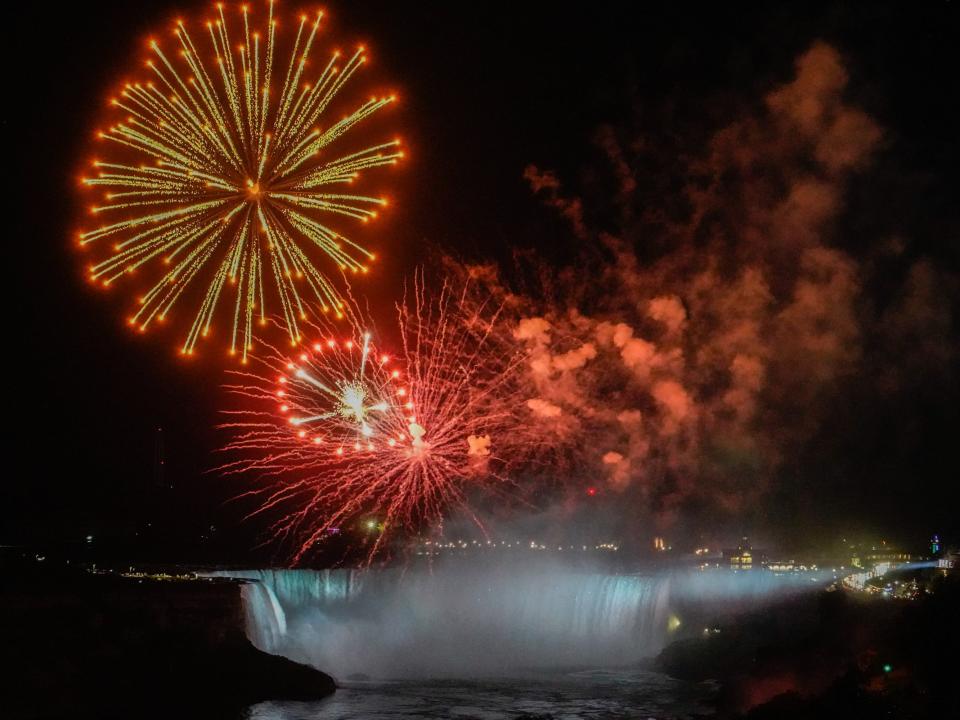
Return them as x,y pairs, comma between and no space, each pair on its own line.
478,621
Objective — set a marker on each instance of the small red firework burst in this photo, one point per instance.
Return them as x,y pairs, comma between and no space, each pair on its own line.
340,434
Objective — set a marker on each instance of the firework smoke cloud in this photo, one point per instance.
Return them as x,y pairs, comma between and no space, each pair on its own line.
723,321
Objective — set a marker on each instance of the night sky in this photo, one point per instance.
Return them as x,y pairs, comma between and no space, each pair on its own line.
486,91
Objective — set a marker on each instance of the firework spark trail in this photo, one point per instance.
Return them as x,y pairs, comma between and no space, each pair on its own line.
224,182
421,433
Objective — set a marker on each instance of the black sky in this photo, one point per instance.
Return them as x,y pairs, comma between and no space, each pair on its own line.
486,90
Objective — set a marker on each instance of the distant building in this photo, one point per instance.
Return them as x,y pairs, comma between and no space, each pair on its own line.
781,565
744,556
875,554
887,556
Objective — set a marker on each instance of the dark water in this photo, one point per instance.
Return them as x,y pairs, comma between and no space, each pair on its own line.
588,695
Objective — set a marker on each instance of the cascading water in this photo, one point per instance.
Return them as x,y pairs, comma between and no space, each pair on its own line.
265,619
468,621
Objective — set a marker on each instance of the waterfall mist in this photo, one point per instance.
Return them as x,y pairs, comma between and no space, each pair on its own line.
472,619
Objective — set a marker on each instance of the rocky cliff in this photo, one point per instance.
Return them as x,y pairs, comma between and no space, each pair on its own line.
84,646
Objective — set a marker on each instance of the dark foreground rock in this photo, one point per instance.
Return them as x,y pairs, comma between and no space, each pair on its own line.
833,655
84,646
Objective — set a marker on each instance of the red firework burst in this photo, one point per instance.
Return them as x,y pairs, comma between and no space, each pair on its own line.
340,434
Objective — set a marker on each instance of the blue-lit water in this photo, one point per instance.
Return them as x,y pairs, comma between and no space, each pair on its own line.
488,620
455,622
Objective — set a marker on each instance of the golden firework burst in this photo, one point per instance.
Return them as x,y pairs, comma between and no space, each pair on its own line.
228,179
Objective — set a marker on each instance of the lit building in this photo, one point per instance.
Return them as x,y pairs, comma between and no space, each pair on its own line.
781,565
887,556
744,556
